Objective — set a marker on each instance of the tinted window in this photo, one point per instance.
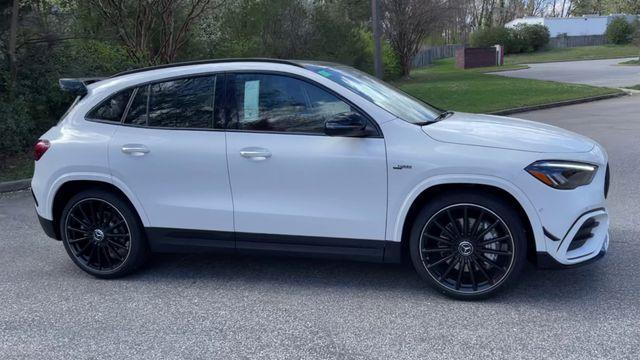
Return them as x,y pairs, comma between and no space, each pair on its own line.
278,103
183,103
113,108
137,114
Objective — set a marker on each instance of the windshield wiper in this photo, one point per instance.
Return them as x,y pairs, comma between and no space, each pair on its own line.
443,115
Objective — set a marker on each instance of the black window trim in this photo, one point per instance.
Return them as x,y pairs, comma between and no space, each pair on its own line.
228,85
225,103
157,81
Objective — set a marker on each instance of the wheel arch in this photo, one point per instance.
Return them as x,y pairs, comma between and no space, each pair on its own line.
513,196
69,188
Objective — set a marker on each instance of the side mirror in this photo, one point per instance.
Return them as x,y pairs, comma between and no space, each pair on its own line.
346,124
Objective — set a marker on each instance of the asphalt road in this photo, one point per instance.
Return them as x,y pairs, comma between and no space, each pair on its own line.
212,306
591,72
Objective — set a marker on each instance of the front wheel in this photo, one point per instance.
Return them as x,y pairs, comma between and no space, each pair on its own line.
102,234
468,245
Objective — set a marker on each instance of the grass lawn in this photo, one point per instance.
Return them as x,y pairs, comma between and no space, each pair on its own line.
450,88
16,166
576,53
630,62
634,87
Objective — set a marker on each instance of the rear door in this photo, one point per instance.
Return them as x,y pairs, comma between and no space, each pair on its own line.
170,151
289,178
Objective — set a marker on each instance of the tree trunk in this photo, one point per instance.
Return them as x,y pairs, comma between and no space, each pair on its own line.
13,36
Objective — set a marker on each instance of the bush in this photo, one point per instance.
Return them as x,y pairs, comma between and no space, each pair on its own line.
16,126
522,38
619,31
533,37
486,37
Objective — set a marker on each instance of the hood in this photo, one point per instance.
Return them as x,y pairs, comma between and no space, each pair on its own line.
507,133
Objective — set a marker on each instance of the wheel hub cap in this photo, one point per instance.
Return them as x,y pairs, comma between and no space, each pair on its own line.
98,235
465,248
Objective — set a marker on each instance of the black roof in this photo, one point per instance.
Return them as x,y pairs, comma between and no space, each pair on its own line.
211,61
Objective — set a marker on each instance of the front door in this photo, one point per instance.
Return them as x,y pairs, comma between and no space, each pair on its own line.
291,183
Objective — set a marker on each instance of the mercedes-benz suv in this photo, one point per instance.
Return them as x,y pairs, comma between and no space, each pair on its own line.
317,159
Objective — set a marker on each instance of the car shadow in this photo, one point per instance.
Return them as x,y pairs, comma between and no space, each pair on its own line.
299,274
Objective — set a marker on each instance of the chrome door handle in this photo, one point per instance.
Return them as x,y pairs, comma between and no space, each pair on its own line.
135,149
256,154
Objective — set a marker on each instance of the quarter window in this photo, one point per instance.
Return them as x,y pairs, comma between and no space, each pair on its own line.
276,103
113,108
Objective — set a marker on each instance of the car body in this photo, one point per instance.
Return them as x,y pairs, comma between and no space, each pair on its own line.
261,164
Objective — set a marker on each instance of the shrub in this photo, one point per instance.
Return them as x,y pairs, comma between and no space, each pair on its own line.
619,31
486,37
534,37
522,38
16,126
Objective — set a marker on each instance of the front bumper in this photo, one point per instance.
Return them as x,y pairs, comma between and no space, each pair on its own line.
586,240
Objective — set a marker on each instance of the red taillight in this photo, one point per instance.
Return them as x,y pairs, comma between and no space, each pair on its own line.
41,147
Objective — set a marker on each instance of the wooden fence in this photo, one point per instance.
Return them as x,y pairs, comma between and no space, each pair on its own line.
426,56
575,41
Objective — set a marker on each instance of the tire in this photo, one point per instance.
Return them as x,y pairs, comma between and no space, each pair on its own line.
103,234
468,260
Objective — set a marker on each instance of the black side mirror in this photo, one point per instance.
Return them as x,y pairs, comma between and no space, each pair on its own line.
346,124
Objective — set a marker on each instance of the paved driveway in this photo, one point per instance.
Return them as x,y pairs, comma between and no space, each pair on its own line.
198,306
591,72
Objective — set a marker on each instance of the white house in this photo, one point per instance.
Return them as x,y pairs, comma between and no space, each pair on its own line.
571,26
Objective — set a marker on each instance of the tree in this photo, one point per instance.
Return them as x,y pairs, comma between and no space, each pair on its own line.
407,23
153,31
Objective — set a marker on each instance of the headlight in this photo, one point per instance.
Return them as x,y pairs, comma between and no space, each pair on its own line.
564,175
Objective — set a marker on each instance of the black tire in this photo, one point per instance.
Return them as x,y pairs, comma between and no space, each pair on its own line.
103,234
454,255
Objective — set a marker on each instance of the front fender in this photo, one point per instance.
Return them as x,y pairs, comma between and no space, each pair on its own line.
398,215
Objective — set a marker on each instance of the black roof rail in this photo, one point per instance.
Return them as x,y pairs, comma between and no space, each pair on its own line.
210,61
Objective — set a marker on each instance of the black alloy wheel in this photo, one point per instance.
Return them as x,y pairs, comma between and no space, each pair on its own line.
98,234
467,250
102,234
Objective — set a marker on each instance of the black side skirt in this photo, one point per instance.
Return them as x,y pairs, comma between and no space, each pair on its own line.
180,240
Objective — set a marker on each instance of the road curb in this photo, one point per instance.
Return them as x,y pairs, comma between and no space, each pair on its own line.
558,104
15,185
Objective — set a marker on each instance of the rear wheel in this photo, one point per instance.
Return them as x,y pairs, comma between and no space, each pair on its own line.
102,234
468,245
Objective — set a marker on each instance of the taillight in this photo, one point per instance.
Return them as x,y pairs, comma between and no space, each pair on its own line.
41,147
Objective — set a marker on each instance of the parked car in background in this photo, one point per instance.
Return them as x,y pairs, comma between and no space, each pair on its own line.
318,159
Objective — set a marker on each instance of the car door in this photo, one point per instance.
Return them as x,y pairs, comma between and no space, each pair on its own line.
170,151
292,184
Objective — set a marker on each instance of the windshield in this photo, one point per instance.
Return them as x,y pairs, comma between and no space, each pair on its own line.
387,97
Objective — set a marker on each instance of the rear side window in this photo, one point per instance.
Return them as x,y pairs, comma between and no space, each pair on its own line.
183,103
113,108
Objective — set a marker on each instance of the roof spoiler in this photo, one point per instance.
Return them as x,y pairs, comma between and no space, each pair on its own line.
77,86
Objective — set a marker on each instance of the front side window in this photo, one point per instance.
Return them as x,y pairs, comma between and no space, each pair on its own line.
277,103
113,108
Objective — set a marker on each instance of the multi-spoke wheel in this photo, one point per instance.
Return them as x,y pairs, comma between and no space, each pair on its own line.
102,234
468,245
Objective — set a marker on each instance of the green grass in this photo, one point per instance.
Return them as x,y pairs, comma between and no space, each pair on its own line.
634,87
16,166
630,62
447,87
576,53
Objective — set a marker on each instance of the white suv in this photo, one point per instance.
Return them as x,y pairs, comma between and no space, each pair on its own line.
315,159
